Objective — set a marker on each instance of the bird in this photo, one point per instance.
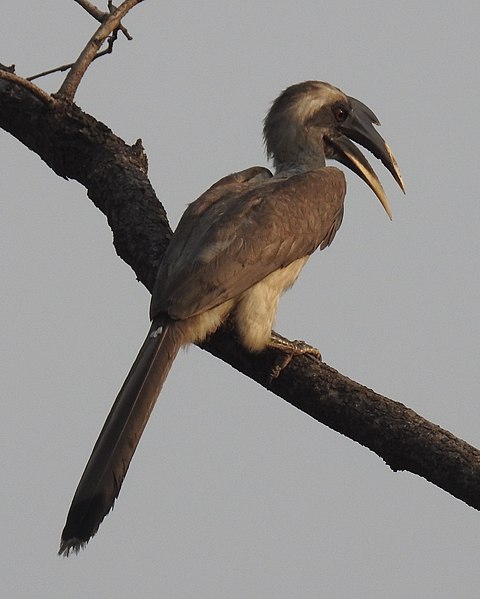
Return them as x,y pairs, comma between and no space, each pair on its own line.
235,250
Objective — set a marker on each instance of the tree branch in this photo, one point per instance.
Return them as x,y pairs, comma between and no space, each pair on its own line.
9,75
64,67
77,146
96,13
111,23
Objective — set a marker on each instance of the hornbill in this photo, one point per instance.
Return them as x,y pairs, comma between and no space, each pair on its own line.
236,249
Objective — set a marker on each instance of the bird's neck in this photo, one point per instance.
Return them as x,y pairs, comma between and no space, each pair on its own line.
285,169
307,159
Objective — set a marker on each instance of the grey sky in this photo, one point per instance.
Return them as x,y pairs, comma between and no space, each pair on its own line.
233,493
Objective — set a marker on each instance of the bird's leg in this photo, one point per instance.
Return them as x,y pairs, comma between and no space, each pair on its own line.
289,350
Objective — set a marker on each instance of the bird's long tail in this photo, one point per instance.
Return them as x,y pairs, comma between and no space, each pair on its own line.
104,473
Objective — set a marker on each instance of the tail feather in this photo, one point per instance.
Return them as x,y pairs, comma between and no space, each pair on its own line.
104,473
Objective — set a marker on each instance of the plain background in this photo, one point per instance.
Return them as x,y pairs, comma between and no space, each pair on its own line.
233,493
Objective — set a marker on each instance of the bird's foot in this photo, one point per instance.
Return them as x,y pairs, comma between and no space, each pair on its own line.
290,349
295,348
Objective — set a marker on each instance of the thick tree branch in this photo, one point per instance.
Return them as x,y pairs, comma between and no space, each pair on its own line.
77,146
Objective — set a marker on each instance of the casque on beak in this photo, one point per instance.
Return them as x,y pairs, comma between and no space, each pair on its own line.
359,127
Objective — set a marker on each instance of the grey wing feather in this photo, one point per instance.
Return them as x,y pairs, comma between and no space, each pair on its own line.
238,232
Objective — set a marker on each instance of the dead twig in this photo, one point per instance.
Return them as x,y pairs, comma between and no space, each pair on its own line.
65,67
10,68
96,13
9,75
109,25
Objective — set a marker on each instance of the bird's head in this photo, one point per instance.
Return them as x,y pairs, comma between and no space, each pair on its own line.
312,121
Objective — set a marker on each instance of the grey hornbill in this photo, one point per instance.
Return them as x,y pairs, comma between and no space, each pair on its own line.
236,249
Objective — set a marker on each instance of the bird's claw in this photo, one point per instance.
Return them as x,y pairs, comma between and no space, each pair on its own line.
290,349
295,348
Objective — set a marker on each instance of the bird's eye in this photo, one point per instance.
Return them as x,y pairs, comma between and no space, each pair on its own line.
340,112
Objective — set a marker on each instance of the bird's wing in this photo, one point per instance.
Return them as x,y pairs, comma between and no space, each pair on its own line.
240,231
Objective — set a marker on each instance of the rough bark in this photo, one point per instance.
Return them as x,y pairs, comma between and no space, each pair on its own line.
76,146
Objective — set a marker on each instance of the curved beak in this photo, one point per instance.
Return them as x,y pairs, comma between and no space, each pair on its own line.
359,127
